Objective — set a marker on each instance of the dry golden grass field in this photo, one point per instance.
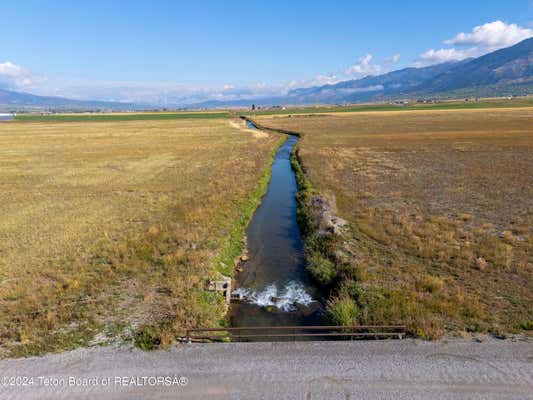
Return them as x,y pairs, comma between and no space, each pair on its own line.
113,226
440,206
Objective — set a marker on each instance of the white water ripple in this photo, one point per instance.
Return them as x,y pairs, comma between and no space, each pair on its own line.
285,299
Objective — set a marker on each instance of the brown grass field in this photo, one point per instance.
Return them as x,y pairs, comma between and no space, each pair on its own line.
440,206
109,227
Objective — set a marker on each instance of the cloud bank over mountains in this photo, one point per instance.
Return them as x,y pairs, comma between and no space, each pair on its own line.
481,40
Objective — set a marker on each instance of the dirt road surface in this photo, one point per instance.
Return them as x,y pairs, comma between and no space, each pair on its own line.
408,369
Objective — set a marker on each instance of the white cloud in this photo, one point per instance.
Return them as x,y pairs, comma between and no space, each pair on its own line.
156,93
481,40
374,88
326,79
365,67
318,80
14,76
433,56
493,35
394,59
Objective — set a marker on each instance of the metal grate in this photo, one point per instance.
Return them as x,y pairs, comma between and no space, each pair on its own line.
272,332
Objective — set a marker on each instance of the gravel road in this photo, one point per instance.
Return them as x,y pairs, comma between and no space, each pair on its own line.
407,369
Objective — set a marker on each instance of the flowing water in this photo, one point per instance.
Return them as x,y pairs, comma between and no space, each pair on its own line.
274,285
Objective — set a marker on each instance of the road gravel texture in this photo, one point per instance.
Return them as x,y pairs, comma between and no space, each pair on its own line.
388,369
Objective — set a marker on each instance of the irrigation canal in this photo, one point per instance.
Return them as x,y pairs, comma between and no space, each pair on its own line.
274,285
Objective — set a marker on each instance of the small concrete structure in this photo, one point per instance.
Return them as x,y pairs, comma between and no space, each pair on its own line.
221,283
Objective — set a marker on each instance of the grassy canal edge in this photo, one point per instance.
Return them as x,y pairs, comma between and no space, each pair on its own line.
322,245
235,247
150,337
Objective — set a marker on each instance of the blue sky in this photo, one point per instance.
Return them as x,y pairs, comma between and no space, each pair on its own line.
170,50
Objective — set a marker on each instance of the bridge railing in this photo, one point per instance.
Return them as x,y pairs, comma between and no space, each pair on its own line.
302,331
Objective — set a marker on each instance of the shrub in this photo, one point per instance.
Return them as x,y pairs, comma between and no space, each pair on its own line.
378,305
322,269
527,325
325,243
352,289
428,327
148,338
428,283
343,310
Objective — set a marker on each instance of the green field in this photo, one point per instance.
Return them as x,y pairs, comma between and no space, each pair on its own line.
146,116
119,116
444,105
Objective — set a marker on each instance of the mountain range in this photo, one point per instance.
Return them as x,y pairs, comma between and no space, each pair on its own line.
504,72
10,100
